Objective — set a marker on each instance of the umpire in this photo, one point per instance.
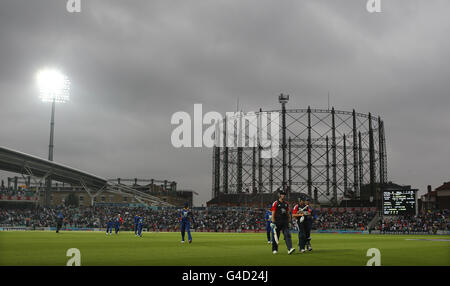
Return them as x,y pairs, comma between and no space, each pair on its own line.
280,223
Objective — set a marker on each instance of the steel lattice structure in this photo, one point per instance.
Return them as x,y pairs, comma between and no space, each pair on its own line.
330,153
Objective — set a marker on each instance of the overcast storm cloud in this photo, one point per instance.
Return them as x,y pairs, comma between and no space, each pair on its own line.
133,64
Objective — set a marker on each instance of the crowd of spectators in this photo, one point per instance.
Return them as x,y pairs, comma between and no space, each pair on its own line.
231,219
346,220
212,219
430,222
161,219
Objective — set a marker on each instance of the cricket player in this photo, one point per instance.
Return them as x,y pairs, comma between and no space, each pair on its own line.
59,221
308,226
140,224
118,221
301,212
280,223
185,220
109,226
136,224
268,219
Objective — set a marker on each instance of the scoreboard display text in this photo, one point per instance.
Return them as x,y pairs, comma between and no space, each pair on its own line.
399,202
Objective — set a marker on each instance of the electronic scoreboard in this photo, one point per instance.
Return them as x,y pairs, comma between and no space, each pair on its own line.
399,202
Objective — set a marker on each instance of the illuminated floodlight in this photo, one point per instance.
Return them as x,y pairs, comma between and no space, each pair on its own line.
53,86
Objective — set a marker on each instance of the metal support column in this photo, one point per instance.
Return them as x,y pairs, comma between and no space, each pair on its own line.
385,174
216,171
371,159
345,164
316,200
333,154
260,161
225,158
260,171
381,152
380,161
290,165
361,171
309,154
271,175
214,175
239,170
327,152
355,156
254,169
283,145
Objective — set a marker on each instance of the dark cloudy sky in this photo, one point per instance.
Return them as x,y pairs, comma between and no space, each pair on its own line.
134,63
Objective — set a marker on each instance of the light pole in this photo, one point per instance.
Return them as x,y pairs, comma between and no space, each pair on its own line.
283,99
54,87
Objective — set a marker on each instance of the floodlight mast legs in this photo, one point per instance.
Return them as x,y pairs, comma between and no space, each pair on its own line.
50,156
52,130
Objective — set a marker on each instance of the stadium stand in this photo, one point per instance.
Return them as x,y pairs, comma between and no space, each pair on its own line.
429,222
213,219
347,221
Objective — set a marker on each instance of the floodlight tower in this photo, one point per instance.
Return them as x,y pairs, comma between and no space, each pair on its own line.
54,87
283,99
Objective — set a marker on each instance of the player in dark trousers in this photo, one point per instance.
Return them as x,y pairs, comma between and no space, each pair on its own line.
59,221
185,217
136,224
268,219
109,226
280,223
118,222
308,225
139,225
298,214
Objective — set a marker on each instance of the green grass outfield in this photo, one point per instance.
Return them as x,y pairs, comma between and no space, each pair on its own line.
228,249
